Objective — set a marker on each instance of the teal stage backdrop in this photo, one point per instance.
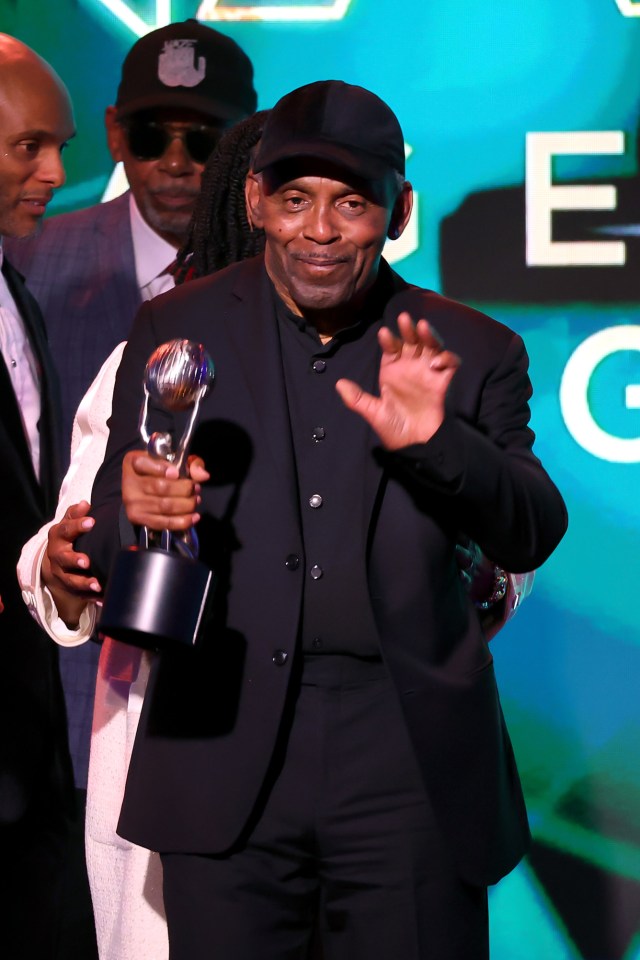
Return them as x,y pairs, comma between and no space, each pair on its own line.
520,120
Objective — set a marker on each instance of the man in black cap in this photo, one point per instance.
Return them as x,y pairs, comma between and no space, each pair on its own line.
332,750
90,270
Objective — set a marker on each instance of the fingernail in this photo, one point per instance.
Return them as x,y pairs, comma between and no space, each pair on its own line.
95,586
83,562
87,523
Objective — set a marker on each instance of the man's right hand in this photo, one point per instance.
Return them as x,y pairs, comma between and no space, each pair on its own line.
156,496
65,572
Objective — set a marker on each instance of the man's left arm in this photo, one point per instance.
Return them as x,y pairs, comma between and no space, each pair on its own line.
482,477
486,476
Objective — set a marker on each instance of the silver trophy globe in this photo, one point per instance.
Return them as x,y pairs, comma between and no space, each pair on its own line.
158,595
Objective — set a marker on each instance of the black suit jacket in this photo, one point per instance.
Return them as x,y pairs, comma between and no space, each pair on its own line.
34,760
212,714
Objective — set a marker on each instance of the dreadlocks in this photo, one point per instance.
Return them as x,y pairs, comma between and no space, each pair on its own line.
219,232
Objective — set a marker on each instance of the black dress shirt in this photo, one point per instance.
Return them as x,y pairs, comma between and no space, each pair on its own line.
331,444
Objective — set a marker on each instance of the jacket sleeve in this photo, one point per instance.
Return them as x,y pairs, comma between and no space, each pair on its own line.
88,442
482,476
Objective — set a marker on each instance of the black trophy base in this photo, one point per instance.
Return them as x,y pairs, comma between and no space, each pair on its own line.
155,599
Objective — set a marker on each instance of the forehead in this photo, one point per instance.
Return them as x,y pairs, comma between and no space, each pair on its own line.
32,101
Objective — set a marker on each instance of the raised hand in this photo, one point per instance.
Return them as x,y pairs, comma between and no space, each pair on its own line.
66,572
156,496
415,373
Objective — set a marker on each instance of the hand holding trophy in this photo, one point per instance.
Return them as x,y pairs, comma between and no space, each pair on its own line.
157,595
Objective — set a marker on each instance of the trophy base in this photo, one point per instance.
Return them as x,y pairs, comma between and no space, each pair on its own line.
156,599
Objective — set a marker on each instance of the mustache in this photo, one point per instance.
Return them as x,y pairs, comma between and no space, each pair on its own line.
187,194
322,257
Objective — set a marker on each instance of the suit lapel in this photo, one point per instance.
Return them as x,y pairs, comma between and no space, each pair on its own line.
12,421
116,265
253,329
49,393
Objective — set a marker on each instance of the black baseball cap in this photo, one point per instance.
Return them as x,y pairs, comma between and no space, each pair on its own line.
191,66
335,121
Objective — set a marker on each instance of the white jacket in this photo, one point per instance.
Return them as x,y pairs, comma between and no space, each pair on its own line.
125,880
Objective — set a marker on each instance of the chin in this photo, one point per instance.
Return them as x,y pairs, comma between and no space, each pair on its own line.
319,299
170,224
22,231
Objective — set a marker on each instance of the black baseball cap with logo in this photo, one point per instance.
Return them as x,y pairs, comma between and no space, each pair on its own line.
190,66
334,121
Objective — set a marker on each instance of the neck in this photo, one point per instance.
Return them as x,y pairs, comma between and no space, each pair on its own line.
175,241
328,321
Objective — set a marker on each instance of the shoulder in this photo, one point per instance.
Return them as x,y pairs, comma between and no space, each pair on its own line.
236,281
112,211
207,309
462,328
69,238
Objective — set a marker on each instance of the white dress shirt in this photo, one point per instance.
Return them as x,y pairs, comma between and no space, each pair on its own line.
152,255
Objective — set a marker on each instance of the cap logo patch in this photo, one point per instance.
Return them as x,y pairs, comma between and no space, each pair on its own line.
176,64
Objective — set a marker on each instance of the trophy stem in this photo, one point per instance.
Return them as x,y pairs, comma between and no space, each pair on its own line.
183,446
144,412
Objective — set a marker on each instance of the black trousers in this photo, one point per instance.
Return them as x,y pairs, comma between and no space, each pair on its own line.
33,856
345,844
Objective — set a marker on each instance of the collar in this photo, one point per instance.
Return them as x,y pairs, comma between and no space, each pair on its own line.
370,311
152,254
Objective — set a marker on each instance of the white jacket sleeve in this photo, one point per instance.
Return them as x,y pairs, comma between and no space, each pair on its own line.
88,444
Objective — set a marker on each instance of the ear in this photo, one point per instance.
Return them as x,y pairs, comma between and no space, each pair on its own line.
253,199
115,134
401,211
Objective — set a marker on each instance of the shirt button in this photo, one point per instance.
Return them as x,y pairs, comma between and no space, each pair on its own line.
319,366
318,434
315,501
292,562
280,657
316,643
316,572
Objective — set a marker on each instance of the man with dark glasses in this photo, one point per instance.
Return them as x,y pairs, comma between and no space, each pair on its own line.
181,87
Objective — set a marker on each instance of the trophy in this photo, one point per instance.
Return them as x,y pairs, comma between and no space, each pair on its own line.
158,595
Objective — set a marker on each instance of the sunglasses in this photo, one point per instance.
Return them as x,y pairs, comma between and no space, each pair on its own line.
150,139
